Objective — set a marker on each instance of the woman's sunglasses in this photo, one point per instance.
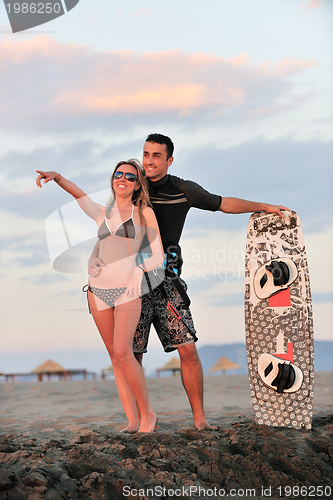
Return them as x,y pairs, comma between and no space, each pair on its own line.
128,176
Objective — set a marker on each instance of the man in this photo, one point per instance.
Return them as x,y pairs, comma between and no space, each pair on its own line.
167,306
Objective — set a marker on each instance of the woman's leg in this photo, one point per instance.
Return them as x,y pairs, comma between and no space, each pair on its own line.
104,320
126,318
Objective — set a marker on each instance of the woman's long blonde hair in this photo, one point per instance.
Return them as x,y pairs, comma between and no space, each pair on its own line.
140,197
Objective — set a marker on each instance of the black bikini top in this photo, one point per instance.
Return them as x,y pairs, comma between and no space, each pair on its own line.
125,229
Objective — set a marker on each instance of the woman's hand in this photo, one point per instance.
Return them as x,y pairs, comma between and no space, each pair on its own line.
47,176
134,288
92,209
95,265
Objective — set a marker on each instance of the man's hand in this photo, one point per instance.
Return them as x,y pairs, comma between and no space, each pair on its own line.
272,209
239,206
95,266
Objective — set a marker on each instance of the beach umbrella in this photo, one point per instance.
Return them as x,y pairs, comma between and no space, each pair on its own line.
223,364
108,369
49,366
172,365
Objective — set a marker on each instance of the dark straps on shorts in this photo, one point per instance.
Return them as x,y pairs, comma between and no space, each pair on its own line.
173,270
180,289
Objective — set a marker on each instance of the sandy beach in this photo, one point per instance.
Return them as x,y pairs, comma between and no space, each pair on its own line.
61,440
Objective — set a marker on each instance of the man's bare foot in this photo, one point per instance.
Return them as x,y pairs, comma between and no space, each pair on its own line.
203,424
149,424
207,427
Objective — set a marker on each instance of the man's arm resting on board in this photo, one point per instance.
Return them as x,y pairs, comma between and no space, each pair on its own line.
239,206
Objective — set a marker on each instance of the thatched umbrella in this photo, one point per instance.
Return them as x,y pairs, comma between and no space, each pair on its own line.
172,365
49,366
223,364
106,370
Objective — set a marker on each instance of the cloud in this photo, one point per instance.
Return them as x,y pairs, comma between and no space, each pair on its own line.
142,12
46,279
85,162
313,4
236,299
295,174
323,297
46,83
24,250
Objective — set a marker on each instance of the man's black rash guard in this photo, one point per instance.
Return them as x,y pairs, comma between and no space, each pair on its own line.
171,198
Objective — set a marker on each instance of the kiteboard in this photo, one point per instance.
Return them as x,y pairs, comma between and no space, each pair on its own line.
279,321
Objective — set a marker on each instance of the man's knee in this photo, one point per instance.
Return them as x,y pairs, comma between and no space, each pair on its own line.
188,354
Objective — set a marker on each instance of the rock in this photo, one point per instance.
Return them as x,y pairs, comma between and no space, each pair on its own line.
35,479
6,477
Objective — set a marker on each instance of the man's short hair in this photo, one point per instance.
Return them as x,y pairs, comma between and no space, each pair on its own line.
162,139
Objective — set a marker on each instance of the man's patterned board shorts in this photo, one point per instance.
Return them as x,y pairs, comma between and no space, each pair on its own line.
174,328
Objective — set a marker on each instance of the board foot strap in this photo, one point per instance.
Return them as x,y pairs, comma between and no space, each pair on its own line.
285,378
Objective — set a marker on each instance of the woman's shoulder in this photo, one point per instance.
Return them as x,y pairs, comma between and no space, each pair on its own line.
147,210
148,213
149,217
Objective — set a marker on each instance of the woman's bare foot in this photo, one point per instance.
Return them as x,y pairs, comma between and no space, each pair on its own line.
149,424
130,429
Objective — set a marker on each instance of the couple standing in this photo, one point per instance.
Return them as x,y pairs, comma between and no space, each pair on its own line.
122,316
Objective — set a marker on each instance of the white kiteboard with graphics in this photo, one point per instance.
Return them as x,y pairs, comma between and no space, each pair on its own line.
279,321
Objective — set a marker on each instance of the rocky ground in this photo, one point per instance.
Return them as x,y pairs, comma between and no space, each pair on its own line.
238,458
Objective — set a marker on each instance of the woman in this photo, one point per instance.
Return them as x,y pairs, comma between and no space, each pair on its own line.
114,295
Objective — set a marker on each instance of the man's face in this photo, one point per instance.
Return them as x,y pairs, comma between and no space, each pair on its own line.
155,161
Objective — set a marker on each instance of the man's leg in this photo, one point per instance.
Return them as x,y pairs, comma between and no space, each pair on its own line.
192,378
139,357
174,332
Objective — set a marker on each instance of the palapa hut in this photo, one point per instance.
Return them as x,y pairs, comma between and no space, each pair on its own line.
223,364
107,371
50,367
172,365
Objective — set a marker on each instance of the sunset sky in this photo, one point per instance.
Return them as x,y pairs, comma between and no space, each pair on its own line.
244,89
